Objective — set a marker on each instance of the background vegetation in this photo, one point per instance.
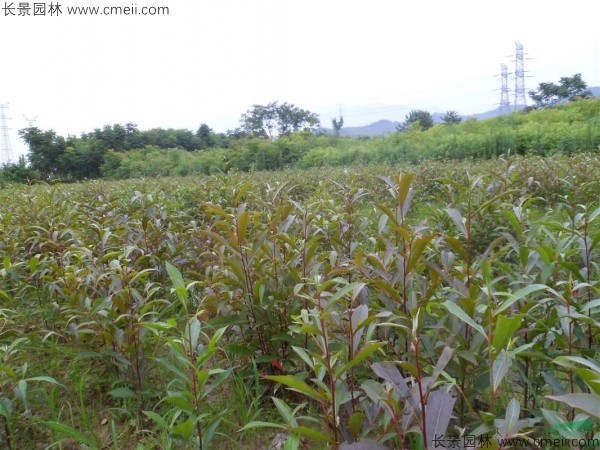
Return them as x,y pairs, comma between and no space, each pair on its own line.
265,141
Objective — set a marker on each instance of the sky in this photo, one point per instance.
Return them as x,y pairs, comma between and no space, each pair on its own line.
210,61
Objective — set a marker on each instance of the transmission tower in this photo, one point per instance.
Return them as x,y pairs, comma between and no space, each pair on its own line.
504,102
520,99
5,148
30,121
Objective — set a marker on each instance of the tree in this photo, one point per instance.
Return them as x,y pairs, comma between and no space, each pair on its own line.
568,89
205,134
337,125
45,150
417,117
451,117
276,120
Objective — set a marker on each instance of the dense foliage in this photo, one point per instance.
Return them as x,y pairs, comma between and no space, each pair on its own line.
120,152
395,307
568,89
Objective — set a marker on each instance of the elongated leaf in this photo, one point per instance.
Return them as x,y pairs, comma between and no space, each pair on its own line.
262,424
70,432
559,424
240,193
304,355
442,362
180,402
566,361
242,225
416,251
511,418
458,220
123,392
157,419
456,310
354,287
389,372
285,411
178,284
192,332
44,378
500,368
184,429
521,293
310,433
439,411
296,385
365,352
589,403
505,329
359,315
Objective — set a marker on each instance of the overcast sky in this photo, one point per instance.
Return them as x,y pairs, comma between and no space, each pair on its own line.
209,61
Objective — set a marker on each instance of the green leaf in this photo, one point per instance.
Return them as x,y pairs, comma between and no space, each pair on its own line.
561,425
304,355
178,284
416,251
180,402
242,225
456,310
442,362
292,442
285,411
70,432
355,287
44,378
123,392
356,423
365,352
404,187
261,424
310,433
157,419
184,429
296,385
500,368
511,418
505,329
222,321
566,361
458,220
588,403
521,293
160,326
359,315
192,332
240,350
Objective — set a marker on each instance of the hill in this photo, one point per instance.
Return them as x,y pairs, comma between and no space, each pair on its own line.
379,128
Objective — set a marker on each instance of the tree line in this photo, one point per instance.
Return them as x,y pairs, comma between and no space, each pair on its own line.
280,135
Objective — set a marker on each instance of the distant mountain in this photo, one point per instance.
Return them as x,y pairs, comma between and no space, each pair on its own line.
384,127
379,128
